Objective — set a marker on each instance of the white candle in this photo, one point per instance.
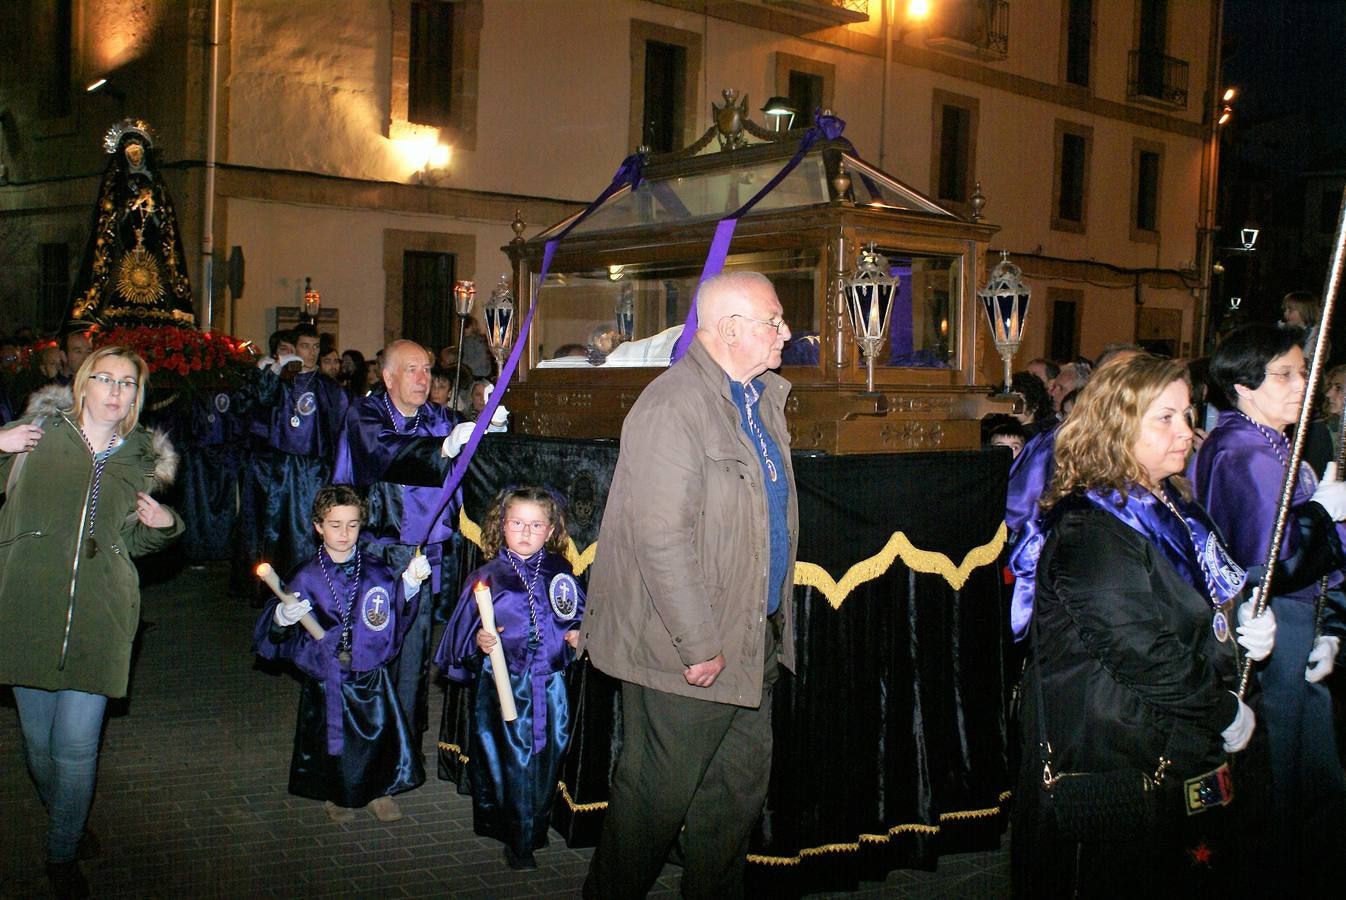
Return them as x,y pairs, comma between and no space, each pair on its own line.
268,575
482,594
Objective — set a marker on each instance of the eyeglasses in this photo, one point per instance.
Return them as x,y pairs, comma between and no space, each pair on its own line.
1285,376
517,525
775,326
113,384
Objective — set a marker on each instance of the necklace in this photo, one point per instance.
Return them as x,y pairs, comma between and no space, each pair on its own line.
1275,440
530,585
343,611
1219,621
297,392
99,461
415,419
750,398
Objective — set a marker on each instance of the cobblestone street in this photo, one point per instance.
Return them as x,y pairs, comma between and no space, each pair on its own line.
192,802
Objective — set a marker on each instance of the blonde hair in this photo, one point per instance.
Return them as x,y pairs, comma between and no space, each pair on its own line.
81,384
1095,445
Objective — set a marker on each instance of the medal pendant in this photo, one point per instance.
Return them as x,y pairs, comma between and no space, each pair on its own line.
294,421
1220,625
93,547
344,658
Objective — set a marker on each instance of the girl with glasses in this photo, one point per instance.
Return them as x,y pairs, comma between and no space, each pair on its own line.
512,767
77,472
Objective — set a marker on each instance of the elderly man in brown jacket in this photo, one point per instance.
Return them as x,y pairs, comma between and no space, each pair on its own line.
689,599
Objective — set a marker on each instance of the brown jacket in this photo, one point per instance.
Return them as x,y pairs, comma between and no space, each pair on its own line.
683,552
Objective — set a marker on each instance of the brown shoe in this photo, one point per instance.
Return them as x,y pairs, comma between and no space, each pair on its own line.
341,815
384,809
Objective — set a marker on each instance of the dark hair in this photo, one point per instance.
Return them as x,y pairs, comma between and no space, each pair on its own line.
334,495
284,334
493,531
305,329
1051,368
1001,424
1243,356
438,372
1037,402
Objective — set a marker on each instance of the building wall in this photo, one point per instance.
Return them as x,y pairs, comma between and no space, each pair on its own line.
307,97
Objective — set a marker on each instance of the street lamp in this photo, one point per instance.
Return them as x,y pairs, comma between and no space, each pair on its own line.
1005,299
870,292
781,113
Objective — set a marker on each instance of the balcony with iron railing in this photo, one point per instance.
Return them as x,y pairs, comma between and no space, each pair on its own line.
838,12
978,28
1153,77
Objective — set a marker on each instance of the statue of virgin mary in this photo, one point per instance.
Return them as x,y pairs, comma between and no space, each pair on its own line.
133,271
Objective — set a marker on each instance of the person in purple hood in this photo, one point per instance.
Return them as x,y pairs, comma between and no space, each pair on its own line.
1238,475
512,767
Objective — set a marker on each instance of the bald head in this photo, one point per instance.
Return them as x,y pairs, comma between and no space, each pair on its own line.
741,324
406,372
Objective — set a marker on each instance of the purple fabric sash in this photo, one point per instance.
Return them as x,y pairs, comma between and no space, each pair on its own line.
1194,547
628,173
824,127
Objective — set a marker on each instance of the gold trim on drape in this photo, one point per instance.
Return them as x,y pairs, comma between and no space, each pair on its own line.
815,576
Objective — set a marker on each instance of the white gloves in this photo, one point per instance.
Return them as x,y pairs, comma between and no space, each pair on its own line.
266,362
499,418
457,439
1256,634
279,365
1322,658
453,444
417,571
1331,494
289,613
1240,731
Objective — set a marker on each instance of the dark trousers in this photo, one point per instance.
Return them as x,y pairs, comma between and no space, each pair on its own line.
685,761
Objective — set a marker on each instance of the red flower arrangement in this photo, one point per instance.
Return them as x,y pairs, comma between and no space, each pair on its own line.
183,360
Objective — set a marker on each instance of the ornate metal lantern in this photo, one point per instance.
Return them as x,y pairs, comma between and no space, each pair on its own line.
1005,299
312,303
464,295
500,321
870,291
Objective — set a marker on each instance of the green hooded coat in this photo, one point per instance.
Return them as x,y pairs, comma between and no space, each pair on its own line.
69,619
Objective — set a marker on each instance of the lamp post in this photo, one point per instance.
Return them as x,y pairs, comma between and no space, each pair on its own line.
870,291
464,293
500,321
1005,299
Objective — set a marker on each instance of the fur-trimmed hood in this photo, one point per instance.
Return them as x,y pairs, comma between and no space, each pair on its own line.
58,400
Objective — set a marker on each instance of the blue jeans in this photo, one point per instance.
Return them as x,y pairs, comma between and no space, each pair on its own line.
60,739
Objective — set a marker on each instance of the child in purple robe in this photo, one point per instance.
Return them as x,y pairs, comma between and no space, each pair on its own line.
352,745
512,767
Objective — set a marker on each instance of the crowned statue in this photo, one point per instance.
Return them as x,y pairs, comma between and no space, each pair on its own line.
133,271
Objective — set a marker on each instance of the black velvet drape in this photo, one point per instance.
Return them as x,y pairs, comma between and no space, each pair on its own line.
890,742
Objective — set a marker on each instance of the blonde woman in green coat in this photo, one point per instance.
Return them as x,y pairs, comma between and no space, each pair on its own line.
77,472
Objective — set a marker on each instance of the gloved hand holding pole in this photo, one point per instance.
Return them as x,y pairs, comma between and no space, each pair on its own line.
268,574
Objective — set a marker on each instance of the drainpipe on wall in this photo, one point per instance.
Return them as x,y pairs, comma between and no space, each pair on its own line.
208,206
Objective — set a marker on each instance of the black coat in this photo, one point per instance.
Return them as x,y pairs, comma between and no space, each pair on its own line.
1130,665
1130,669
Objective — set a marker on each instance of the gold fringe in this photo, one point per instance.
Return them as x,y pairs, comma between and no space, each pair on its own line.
906,828
454,749
579,807
931,561
815,576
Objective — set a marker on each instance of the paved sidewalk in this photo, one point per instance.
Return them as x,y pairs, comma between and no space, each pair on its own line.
192,803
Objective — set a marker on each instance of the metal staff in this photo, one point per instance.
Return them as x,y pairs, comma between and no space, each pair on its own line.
1330,288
